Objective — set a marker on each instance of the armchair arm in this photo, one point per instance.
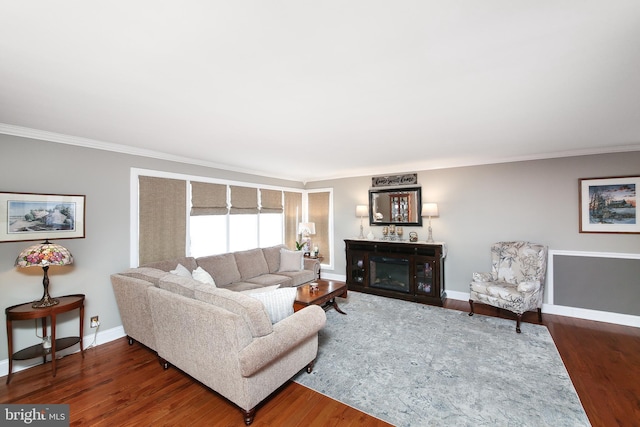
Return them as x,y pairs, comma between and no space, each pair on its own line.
287,334
529,287
483,277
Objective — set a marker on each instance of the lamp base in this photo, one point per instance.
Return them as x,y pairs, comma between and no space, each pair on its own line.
45,302
430,237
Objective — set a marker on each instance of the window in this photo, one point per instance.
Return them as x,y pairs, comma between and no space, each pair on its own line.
208,235
271,226
243,232
222,216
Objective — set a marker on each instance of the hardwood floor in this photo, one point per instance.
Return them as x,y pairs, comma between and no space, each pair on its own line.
121,385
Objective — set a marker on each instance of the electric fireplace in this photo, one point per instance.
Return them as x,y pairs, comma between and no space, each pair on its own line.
412,271
389,273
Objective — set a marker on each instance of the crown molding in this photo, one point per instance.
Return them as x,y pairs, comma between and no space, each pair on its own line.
416,166
123,149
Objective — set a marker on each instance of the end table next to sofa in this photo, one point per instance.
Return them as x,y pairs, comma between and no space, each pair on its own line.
26,312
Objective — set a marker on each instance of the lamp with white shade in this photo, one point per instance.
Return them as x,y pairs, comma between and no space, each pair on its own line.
361,212
430,210
305,229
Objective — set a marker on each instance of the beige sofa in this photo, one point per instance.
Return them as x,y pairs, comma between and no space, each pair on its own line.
251,269
221,337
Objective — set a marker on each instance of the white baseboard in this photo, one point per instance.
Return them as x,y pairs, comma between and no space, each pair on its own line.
579,313
87,342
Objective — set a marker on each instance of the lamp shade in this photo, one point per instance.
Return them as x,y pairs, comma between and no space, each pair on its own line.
43,255
307,228
429,209
362,211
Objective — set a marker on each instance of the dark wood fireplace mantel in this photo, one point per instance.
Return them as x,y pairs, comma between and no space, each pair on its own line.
397,269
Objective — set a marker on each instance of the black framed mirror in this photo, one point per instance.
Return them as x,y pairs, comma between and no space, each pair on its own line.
397,206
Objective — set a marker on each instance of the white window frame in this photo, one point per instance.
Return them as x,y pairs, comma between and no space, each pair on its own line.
134,226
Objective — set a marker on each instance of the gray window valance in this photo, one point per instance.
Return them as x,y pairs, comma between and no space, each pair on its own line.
208,199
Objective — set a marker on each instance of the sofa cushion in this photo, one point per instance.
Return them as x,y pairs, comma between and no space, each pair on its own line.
251,310
278,302
291,260
241,286
171,264
149,274
178,284
251,263
297,278
201,275
271,279
272,256
222,268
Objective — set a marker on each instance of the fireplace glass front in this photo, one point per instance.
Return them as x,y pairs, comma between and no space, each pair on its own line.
389,273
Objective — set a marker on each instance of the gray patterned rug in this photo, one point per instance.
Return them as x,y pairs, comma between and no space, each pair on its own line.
417,365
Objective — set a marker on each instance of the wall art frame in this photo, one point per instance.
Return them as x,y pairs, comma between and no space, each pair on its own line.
609,205
31,216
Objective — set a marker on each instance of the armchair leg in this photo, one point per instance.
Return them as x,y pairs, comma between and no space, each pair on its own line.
539,315
518,323
471,305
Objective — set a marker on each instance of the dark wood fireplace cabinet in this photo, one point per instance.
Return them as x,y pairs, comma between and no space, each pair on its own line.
397,269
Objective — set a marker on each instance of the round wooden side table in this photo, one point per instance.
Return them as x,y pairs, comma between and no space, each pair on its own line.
26,311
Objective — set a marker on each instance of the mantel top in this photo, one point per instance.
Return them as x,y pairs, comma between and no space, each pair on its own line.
401,242
405,241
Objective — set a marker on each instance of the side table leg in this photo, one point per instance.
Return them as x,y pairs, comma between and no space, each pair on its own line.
10,342
82,328
53,344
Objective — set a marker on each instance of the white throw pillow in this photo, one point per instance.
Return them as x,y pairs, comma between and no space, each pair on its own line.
201,275
291,260
261,290
279,302
181,270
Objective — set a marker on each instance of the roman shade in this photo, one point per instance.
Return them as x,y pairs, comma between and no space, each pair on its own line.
271,201
208,199
292,215
319,208
162,219
244,200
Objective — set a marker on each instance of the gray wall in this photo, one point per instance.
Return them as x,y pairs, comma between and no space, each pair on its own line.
532,200
33,166
535,200
601,277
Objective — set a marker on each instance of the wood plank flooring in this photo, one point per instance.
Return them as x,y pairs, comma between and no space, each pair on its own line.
121,385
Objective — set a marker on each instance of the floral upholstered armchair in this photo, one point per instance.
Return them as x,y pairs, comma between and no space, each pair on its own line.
516,281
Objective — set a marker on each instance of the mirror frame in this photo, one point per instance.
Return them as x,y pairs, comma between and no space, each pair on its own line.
374,192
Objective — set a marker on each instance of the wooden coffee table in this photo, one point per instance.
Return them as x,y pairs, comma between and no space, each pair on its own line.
325,296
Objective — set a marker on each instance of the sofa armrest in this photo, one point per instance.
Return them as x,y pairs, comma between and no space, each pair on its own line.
286,335
312,264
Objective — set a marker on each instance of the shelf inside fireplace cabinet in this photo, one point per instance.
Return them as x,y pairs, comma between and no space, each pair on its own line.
403,270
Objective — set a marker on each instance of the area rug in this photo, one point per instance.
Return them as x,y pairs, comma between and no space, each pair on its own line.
416,365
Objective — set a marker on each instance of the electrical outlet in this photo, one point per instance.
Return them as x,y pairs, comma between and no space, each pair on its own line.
95,322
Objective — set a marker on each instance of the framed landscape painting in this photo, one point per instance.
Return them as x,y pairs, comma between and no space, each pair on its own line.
27,216
609,205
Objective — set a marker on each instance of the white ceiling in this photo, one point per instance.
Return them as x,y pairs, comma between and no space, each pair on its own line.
308,90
